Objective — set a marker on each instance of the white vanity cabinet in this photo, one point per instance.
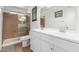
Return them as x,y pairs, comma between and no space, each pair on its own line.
38,43
44,42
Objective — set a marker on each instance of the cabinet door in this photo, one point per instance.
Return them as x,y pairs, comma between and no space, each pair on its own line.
59,49
35,43
46,46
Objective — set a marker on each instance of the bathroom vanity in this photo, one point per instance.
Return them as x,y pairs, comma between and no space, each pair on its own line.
51,40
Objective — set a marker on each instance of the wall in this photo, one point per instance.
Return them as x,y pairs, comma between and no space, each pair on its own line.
36,24
1,22
77,18
68,18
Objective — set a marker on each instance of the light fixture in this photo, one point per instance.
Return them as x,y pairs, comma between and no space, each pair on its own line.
12,12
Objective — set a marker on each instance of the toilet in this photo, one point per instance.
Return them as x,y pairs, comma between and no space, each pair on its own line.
25,41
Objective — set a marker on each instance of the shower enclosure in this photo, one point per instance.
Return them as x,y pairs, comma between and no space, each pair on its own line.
14,26
23,26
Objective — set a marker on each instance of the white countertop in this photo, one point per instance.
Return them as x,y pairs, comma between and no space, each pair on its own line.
72,36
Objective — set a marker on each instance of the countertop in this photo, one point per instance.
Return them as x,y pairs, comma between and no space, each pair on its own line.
72,36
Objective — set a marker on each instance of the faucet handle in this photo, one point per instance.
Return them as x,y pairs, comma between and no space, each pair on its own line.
66,27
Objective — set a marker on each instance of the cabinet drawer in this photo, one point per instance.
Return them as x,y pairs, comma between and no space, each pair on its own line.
35,34
45,37
40,36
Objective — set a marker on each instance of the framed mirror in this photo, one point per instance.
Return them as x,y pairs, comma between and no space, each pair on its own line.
34,14
59,14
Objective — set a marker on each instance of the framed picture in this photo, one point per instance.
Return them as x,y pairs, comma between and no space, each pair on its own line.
34,14
59,13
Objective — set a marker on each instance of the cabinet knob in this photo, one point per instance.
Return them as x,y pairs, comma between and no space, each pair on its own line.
51,49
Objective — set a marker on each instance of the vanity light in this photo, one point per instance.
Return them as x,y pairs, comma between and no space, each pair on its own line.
12,12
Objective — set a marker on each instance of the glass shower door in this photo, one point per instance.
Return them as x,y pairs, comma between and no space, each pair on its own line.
10,25
23,26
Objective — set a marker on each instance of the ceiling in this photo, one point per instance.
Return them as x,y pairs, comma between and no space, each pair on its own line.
18,9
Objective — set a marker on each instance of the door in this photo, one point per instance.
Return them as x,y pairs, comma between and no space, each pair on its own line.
46,46
59,49
10,25
35,42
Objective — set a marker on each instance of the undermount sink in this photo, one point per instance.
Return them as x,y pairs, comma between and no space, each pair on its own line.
58,32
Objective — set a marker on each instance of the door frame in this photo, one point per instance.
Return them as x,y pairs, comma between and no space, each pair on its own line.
1,27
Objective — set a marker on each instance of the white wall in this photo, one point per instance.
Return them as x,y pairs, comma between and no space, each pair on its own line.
68,18
77,18
36,24
1,22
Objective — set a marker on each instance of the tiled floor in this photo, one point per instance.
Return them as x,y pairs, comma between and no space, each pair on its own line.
19,48
16,48
8,49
